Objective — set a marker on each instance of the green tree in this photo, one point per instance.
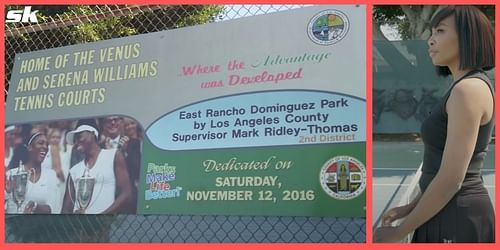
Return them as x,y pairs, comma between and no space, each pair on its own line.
412,21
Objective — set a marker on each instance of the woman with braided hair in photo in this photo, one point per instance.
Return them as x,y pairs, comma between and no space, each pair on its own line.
41,186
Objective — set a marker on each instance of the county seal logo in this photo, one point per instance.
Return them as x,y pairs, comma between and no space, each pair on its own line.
328,27
343,177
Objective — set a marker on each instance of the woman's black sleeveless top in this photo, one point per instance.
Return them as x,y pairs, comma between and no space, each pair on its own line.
434,132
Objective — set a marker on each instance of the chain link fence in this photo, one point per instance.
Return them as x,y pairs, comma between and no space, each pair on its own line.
80,24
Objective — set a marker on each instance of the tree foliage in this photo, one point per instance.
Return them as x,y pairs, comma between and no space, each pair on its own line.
108,27
406,18
173,16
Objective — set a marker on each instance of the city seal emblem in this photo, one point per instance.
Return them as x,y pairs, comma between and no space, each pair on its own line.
328,27
343,177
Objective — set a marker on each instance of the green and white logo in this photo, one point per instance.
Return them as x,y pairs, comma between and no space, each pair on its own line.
328,27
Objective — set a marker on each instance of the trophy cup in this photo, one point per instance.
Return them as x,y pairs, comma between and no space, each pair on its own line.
20,180
85,188
7,189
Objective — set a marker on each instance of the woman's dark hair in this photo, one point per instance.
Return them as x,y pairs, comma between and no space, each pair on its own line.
476,37
21,153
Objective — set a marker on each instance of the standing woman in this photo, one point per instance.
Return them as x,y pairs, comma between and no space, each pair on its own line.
454,205
42,183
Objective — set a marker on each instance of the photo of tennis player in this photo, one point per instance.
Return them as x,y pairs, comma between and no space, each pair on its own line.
88,166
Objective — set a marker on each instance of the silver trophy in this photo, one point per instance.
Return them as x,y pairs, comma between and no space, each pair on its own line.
85,188
20,181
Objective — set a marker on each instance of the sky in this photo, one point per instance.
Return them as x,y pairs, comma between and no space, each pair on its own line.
391,32
237,11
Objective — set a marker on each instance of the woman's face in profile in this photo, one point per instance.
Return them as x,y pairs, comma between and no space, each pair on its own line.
9,138
443,43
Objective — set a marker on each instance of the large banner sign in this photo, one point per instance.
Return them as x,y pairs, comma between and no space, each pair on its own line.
256,116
